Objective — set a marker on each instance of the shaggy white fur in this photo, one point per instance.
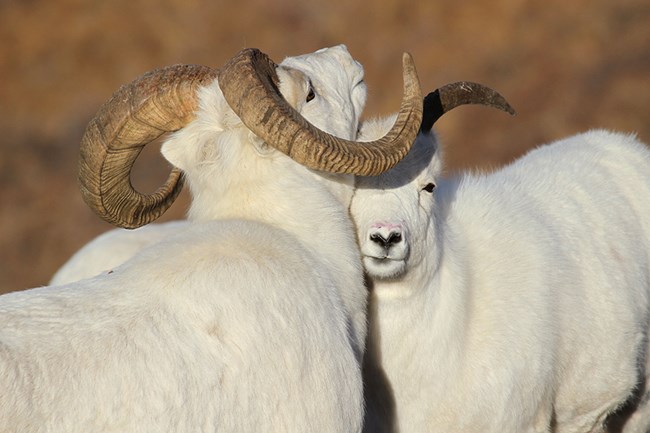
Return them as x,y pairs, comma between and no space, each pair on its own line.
512,301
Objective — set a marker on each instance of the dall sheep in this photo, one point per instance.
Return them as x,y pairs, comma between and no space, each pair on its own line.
251,319
116,246
509,302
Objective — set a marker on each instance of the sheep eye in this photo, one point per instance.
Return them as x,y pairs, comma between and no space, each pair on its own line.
429,187
311,95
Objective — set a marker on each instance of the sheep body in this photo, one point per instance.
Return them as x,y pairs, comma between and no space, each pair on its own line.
252,318
165,356
515,300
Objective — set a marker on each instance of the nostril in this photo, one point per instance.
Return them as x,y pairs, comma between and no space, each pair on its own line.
394,238
378,239
386,242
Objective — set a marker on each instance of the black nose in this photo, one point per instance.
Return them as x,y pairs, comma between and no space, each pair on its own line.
393,238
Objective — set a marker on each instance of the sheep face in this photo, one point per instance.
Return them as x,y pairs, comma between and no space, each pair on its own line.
330,93
392,212
224,161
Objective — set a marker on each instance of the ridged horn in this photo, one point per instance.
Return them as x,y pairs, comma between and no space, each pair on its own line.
160,101
165,100
456,94
249,84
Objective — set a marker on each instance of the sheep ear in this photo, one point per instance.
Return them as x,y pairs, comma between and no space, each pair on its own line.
185,150
187,147
294,86
176,151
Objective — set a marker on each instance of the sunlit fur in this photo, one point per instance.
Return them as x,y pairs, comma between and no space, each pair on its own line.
249,319
522,300
111,249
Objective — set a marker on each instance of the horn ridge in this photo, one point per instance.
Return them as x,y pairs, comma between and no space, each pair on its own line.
159,101
249,84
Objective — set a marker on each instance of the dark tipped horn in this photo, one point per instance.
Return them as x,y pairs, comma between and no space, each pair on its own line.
448,97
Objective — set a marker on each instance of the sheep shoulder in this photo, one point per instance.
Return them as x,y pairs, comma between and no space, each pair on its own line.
111,249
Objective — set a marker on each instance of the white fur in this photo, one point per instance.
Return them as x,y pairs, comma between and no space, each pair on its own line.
252,318
515,300
111,249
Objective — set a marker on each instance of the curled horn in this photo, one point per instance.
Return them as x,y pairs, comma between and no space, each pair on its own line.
248,84
160,101
166,100
448,97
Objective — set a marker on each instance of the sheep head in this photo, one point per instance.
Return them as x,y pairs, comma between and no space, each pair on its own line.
165,100
394,211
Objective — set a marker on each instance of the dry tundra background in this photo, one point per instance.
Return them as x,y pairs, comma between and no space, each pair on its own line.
566,66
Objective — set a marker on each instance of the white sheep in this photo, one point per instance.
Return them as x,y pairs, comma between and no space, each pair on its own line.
114,247
515,301
253,318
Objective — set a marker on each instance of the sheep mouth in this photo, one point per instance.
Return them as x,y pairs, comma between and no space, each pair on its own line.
386,256
384,267
384,259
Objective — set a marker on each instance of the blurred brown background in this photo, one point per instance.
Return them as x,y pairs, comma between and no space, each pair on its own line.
566,66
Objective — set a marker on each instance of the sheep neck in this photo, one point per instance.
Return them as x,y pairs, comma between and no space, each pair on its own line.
416,326
310,206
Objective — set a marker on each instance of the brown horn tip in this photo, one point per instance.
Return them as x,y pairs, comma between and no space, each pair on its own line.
453,95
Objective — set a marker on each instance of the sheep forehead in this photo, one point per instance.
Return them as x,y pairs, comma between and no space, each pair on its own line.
412,172
332,65
383,205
